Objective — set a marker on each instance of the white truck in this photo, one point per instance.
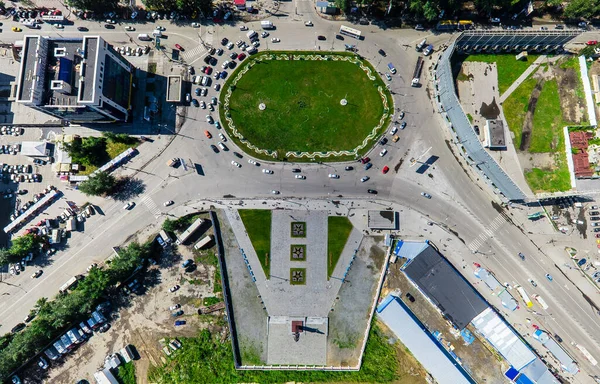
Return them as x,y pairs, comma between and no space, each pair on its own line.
541,301
203,242
417,73
251,34
266,24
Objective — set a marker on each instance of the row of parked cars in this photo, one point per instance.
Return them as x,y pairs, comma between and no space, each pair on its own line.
12,131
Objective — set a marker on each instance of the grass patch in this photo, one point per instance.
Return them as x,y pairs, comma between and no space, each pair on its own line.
297,276
547,120
509,69
338,230
298,252
208,360
126,373
208,301
206,258
218,287
258,226
152,68
115,149
515,108
303,111
298,229
550,180
470,118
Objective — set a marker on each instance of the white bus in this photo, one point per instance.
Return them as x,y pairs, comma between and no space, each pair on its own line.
524,296
351,32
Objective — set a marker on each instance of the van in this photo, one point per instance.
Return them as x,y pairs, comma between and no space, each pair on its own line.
157,33
392,68
266,24
251,34
144,37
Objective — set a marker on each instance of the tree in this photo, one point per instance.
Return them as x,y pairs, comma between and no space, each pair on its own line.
101,183
129,258
169,225
22,246
586,9
94,5
5,256
430,11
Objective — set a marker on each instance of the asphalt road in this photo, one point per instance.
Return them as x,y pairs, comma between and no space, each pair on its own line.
458,202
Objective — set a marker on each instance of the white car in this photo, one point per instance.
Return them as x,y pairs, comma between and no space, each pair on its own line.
394,130
225,65
275,40
202,104
275,192
167,203
37,274
235,163
222,136
426,195
365,179
92,266
60,26
267,171
301,177
129,205
264,34
252,162
230,45
195,25
308,23
129,28
401,116
383,152
209,119
243,28
388,77
174,307
334,176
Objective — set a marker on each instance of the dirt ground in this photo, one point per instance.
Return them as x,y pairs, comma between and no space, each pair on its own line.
143,320
477,359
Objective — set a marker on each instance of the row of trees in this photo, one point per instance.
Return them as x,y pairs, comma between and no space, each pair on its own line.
52,317
21,247
100,184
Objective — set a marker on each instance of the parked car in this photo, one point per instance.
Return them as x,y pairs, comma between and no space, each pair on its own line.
105,327
177,314
334,176
180,322
426,195
167,203
174,288
410,297
385,170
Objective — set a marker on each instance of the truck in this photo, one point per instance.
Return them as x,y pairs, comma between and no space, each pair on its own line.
105,376
266,24
173,162
68,285
392,68
419,47
203,242
56,236
541,301
417,73
524,296
71,225
251,34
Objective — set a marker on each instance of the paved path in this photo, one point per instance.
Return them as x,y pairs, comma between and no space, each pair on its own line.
522,78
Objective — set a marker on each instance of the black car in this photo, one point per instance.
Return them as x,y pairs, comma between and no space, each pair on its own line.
212,51
382,53
238,155
321,37
214,148
109,26
224,41
410,297
339,37
558,338
82,29
104,328
208,59
476,128
296,170
368,166
233,56
372,191
349,168
18,327
595,218
383,141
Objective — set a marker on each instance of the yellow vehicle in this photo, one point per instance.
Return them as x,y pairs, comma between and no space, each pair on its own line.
16,29
395,138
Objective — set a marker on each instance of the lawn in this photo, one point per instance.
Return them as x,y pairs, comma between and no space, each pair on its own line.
509,69
547,120
126,373
303,111
338,230
258,226
208,360
515,108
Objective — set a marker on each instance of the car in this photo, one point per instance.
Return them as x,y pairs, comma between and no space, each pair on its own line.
549,277
224,41
179,47
16,29
558,338
243,28
365,160
426,195
222,137
195,103
217,87
394,130
174,307
264,34
296,170
581,262
197,92
308,23
301,177
129,205
202,104
595,218
401,115
594,213
82,29
403,125
214,148
595,224
383,152
177,314
348,168
388,77
168,203
596,229
242,56
225,64
110,21
238,155
37,274
222,146
372,191
42,363
219,52
129,28
333,176
203,92
217,125
209,119
385,170
321,37
559,27
214,100
419,27
366,178
105,327
174,288
382,53
395,138
180,322
267,171
275,40
368,166
22,191
522,256
207,70
230,45
593,207
236,164
208,134
18,328
532,282
109,26
233,55
250,161
591,42
410,297
15,380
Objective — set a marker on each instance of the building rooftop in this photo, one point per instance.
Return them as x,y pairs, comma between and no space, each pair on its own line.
64,61
28,71
174,89
383,220
495,134
446,287
90,47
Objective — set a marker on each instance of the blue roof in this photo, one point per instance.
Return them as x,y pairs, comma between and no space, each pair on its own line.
322,4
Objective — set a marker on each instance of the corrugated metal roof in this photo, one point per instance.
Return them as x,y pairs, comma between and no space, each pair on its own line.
537,372
566,361
503,338
445,286
420,343
409,249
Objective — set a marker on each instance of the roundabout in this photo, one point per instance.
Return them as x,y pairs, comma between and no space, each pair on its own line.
304,106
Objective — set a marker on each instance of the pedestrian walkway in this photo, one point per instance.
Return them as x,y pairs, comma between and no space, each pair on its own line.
488,232
151,205
192,54
522,78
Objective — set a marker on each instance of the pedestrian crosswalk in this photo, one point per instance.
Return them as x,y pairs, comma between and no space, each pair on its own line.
191,54
151,205
488,232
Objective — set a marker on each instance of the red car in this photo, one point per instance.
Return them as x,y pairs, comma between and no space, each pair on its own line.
591,42
242,56
365,160
208,134
179,47
208,70
385,169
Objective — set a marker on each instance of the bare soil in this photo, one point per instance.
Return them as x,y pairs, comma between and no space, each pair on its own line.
528,123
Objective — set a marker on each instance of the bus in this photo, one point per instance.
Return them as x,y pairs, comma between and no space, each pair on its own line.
524,296
350,32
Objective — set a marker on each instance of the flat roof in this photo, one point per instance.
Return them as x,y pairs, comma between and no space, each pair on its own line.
28,64
495,134
421,344
382,220
90,49
445,286
174,88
